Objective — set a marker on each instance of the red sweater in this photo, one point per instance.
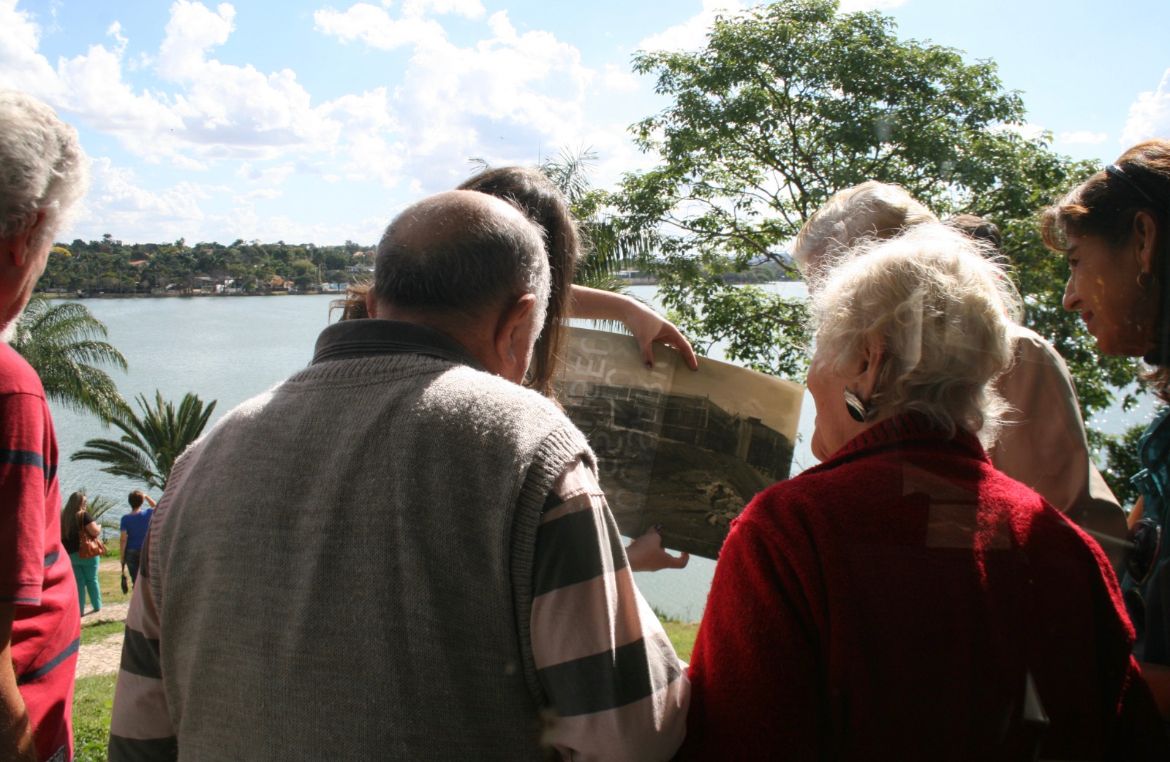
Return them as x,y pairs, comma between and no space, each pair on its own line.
894,603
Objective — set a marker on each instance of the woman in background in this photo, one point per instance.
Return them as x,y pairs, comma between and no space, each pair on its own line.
74,520
904,599
1115,231
1042,442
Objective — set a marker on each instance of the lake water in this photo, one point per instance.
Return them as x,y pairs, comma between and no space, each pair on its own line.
230,349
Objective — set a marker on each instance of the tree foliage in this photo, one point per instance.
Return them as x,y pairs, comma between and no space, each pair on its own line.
113,267
1122,462
150,443
791,102
64,343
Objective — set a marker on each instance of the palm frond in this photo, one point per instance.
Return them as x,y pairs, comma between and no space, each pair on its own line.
152,441
64,344
569,171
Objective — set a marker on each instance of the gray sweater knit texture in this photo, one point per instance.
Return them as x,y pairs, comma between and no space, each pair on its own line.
344,566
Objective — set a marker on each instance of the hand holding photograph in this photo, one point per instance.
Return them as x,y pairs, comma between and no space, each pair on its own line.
682,449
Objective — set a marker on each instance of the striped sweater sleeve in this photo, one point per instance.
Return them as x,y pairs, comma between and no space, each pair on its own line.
140,727
616,687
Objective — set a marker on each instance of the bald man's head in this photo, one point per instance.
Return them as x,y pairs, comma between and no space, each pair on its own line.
460,252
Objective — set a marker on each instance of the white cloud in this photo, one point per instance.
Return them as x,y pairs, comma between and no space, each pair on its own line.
269,176
374,26
191,31
248,224
213,111
507,96
97,92
369,149
1149,115
265,194
849,6
510,96
619,79
692,33
1082,137
115,31
21,66
118,203
227,106
472,9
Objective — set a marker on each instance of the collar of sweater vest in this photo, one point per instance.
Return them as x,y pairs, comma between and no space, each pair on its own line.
351,339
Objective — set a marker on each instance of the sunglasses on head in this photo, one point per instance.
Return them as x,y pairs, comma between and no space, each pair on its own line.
1117,173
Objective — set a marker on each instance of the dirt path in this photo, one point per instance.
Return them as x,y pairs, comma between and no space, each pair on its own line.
102,657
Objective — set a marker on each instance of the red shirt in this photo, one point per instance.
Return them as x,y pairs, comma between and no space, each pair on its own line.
35,572
905,600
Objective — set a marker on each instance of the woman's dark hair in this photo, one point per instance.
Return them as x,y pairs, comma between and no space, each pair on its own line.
545,205
1105,205
75,503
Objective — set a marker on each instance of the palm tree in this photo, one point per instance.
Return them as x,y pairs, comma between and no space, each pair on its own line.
63,343
149,444
608,249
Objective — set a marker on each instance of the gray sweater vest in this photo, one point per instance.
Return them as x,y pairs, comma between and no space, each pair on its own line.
344,567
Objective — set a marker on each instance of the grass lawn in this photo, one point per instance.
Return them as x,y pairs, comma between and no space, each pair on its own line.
110,583
682,636
97,632
93,698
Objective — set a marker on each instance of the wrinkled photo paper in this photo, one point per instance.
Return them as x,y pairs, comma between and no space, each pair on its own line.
680,448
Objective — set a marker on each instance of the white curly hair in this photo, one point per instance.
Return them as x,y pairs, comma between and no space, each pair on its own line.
942,312
42,167
870,210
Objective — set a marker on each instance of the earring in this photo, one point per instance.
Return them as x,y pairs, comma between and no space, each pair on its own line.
1144,281
857,409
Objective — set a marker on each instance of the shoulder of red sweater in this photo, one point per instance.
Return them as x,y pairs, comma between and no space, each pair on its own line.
16,375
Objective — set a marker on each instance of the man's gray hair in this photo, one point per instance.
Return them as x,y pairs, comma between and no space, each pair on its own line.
942,313
42,166
869,210
461,251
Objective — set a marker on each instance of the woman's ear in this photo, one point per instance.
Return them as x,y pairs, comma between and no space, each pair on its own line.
371,304
1145,235
869,368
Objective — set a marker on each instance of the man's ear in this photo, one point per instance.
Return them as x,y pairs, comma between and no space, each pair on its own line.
371,304
514,336
1145,234
15,248
869,367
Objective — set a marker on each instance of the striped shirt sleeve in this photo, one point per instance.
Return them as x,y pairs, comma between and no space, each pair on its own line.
140,727
615,684
25,475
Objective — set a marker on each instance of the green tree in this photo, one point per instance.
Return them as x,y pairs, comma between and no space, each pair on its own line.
787,104
1121,458
64,343
150,443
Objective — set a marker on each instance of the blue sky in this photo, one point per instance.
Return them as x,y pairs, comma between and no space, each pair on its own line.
317,120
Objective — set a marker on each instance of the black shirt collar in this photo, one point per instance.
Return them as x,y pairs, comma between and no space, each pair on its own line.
351,339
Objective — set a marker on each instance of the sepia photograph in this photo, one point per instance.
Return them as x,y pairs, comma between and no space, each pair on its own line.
682,449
